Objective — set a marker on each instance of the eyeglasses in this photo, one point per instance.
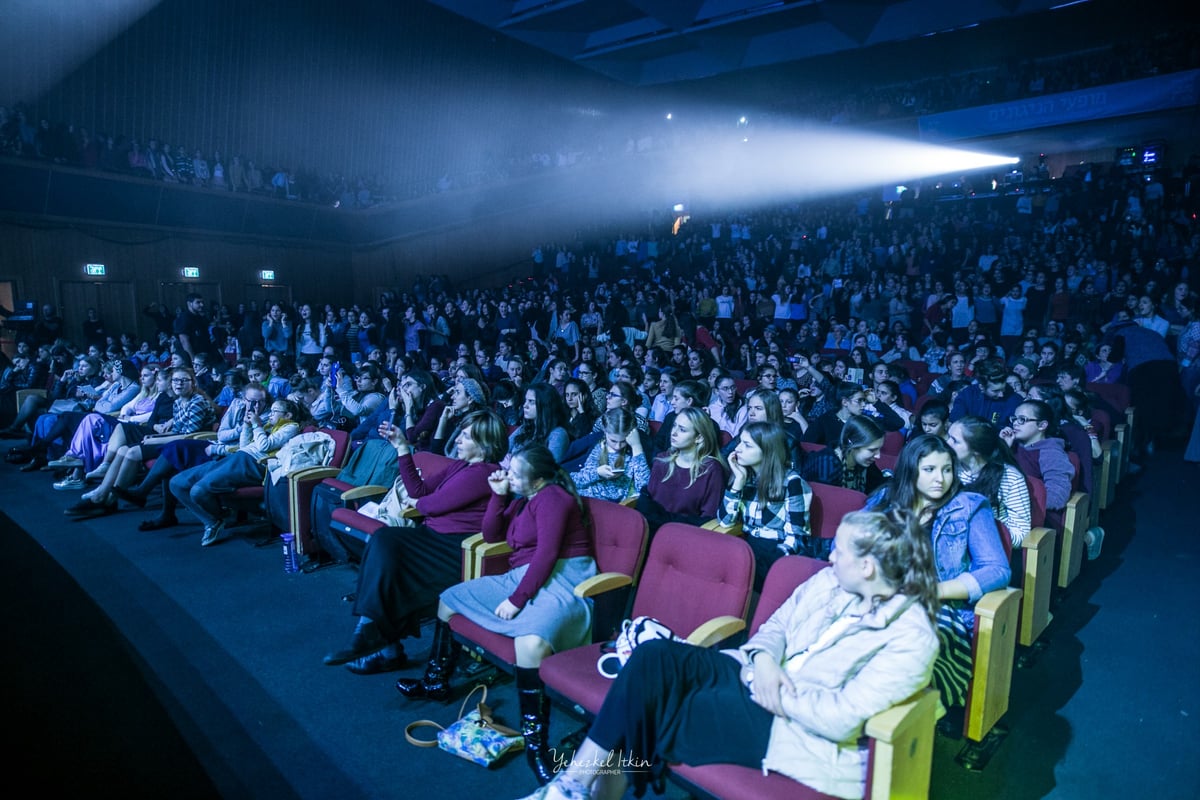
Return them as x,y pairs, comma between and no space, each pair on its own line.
614,394
181,380
1022,420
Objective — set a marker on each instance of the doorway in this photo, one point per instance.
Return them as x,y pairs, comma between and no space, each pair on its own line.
115,303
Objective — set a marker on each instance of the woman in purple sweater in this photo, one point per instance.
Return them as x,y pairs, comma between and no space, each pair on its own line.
536,509
404,569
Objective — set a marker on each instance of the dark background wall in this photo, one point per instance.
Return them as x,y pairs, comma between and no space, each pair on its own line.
401,90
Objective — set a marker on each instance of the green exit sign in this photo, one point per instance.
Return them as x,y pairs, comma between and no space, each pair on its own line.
191,272
94,269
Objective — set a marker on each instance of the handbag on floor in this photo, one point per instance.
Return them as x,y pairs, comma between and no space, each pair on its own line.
475,736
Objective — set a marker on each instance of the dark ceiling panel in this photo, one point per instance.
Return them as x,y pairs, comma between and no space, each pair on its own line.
733,34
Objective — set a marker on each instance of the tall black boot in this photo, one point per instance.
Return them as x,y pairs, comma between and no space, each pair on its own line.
535,723
443,656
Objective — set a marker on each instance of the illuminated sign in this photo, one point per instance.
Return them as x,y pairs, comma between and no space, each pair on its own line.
95,270
191,272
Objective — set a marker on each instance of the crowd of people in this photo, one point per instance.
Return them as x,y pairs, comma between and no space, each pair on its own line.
714,375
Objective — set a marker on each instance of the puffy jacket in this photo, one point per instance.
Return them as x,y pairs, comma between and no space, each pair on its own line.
877,661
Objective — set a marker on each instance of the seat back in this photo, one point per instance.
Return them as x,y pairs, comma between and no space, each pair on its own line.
829,505
887,462
782,579
1077,479
693,575
1115,394
1037,501
621,535
1102,422
893,443
811,447
430,465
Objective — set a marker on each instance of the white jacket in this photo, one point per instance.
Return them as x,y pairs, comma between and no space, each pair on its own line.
878,661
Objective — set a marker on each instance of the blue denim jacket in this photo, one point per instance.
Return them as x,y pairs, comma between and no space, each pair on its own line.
966,545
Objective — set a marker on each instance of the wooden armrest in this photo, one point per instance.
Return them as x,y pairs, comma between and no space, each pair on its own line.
716,630
1076,520
995,645
903,752
992,605
1037,566
411,513
715,525
887,725
359,492
487,549
210,436
313,473
631,502
604,582
475,550
1037,538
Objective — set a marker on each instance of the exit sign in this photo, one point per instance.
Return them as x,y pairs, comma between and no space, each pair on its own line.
267,274
94,269
191,272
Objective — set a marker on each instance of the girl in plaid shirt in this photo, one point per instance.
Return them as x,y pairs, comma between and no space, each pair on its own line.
768,496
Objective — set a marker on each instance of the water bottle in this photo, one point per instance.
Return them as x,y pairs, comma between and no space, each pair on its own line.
290,562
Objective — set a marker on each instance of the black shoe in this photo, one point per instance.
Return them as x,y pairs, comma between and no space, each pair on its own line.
367,639
34,466
314,563
133,498
86,509
379,661
157,523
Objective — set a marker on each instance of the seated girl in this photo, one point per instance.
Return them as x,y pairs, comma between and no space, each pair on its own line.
986,467
616,468
688,480
852,464
770,499
543,422
968,555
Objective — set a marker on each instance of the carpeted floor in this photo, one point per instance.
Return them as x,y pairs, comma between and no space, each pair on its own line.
142,665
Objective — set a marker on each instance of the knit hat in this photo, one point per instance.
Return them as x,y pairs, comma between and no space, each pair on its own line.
1029,364
474,391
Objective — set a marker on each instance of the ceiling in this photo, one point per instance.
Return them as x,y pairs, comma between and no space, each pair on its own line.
646,42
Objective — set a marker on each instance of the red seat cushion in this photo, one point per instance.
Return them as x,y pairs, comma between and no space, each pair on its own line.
573,674
497,644
357,521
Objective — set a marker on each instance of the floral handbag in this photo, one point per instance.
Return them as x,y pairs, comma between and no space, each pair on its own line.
476,736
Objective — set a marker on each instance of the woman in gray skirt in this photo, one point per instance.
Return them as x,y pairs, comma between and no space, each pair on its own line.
535,509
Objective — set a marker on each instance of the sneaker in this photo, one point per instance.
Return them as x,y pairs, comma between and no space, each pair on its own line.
214,533
66,462
70,484
1093,549
98,473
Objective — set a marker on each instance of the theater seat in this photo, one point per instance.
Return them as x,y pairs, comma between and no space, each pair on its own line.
696,582
621,534
899,740
1033,568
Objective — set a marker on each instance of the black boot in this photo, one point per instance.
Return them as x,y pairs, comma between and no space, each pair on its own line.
443,656
366,640
535,723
